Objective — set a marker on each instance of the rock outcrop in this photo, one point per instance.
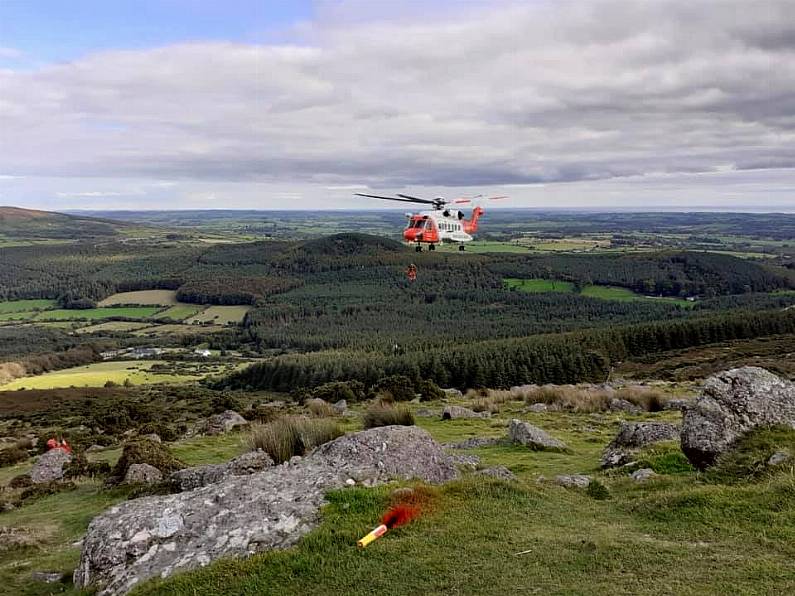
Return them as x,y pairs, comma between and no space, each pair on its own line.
732,403
531,436
455,412
198,476
224,422
632,436
157,536
49,466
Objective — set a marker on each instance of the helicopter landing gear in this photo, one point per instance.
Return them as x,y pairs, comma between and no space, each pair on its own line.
460,248
432,247
418,248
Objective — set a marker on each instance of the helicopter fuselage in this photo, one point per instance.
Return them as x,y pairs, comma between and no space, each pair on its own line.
439,226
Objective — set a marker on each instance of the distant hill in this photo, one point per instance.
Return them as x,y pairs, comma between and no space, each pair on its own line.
18,223
350,244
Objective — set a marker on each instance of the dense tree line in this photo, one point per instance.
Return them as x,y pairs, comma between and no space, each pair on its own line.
658,274
561,358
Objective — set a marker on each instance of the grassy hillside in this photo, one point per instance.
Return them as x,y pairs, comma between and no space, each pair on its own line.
17,223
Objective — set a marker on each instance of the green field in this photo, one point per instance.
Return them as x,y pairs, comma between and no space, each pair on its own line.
222,315
142,297
626,295
112,326
90,314
18,316
536,286
176,329
97,374
25,305
484,246
179,312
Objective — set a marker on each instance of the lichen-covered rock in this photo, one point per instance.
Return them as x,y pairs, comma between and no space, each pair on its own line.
732,403
142,474
160,535
643,474
224,422
453,392
632,436
340,407
531,436
467,461
49,466
455,412
622,405
476,442
248,463
573,480
500,472
47,577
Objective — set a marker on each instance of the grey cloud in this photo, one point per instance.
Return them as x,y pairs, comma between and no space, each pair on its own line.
504,93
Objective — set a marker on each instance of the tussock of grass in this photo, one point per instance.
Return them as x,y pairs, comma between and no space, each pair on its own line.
320,408
665,458
647,398
747,461
386,415
286,437
589,399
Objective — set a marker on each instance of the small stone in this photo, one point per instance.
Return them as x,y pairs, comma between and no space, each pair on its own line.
536,408
469,461
153,437
643,474
573,480
779,457
340,407
48,577
500,472
350,482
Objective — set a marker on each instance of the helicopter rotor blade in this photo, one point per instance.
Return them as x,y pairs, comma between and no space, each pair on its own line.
418,200
411,200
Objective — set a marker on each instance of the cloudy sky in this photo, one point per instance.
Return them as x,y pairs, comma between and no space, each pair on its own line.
169,104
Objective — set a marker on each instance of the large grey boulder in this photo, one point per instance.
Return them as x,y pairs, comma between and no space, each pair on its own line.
241,515
531,436
49,466
455,412
224,422
632,436
731,404
198,476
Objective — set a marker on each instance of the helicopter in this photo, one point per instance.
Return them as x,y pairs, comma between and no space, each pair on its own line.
440,224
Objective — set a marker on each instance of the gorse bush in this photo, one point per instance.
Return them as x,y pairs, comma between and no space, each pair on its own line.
286,437
9,457
387,415
395,388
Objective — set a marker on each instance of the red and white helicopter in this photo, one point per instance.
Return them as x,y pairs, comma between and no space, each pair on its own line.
442,223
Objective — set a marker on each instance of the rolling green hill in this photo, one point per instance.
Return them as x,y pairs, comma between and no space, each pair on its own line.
30,224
